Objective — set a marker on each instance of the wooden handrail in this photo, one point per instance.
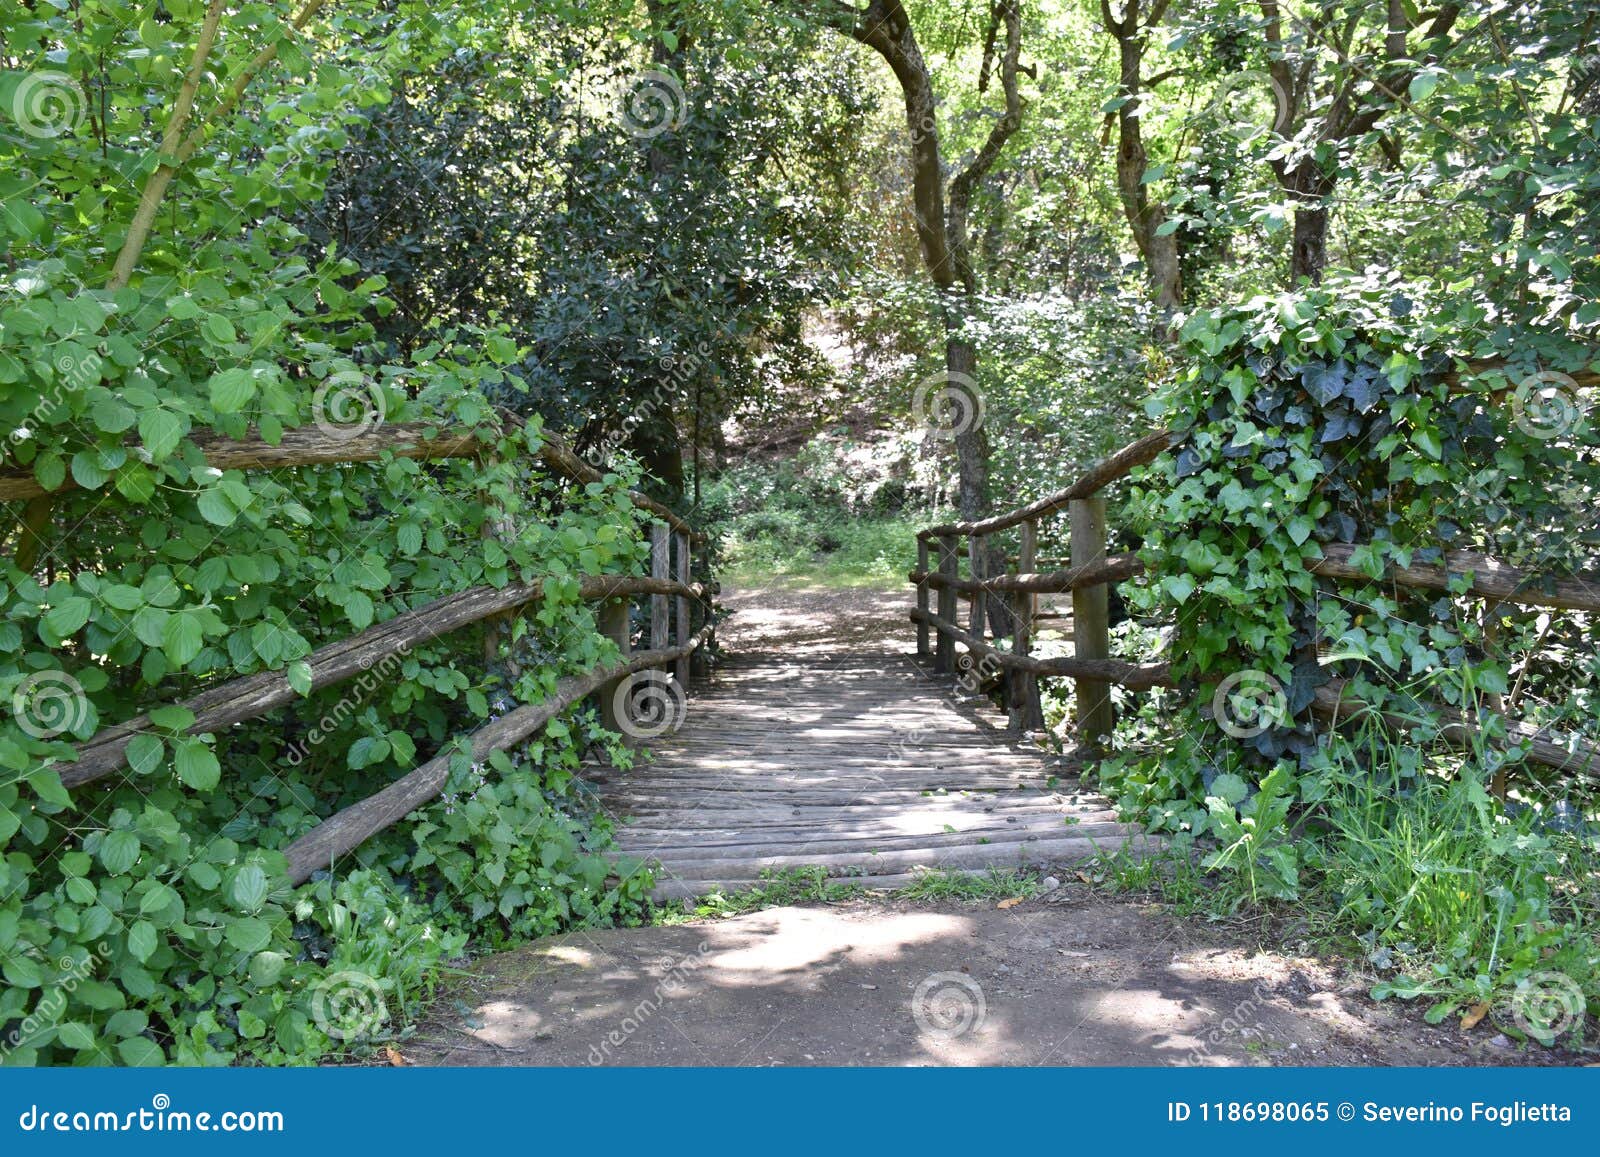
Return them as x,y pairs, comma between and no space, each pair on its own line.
254,695
1134,676
315,446
1112,570
1094,480
347,829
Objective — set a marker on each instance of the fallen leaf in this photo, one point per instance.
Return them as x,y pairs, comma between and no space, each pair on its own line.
394,1055
1084,876
1474,1014
1011,903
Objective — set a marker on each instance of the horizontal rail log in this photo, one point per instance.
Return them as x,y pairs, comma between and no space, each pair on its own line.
346,830
302,446
315,446
1134,676
1580,759
1491,579
254,695
1095,479
1110,570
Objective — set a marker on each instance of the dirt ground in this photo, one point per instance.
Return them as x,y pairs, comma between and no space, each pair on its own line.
1071,977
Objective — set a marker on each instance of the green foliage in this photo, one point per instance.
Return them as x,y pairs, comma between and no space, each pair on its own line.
147,918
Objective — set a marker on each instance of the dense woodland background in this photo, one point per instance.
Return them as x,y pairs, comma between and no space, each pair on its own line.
812,274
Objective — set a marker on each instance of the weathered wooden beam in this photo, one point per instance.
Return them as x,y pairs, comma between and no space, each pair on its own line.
315,446
1579,758
302,446
1491,578
1110,570
919,576
661,568
681,608
614,622
346,830
1024,711
253,695
1133,676
1095,479
944,655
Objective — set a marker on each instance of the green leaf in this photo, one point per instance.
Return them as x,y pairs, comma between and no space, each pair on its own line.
249,888
141,1052
68,616
231,390
142,940
215,507
172,717
196,764
145,753
119,851
299,676
87,471
50,471
181,638
111,416
160,431
249,934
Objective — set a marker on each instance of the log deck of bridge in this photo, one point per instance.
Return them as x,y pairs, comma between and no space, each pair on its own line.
862,763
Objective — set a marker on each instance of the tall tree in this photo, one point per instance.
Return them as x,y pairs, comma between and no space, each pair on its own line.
1336,73
1157,246
943,210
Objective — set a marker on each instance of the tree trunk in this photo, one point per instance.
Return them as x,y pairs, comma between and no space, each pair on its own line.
972,441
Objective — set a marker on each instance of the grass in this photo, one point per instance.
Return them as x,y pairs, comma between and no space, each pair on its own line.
814,886
823,551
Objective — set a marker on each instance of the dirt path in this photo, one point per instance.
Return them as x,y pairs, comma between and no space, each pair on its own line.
1071,977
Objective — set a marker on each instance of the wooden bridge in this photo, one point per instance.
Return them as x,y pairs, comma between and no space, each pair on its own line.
874,764
858,764
866,761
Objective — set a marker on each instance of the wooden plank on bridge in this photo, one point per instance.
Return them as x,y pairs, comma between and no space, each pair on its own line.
867,765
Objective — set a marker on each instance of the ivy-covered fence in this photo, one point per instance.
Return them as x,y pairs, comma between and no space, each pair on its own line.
1347,520
156,901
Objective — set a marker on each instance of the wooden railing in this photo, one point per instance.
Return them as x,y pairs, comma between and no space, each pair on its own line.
679,624
940,585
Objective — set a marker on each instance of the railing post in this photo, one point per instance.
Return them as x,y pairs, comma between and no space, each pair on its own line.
922,598
612,620
1091,632
1023,710
660,568
975,564
681,670
944,652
